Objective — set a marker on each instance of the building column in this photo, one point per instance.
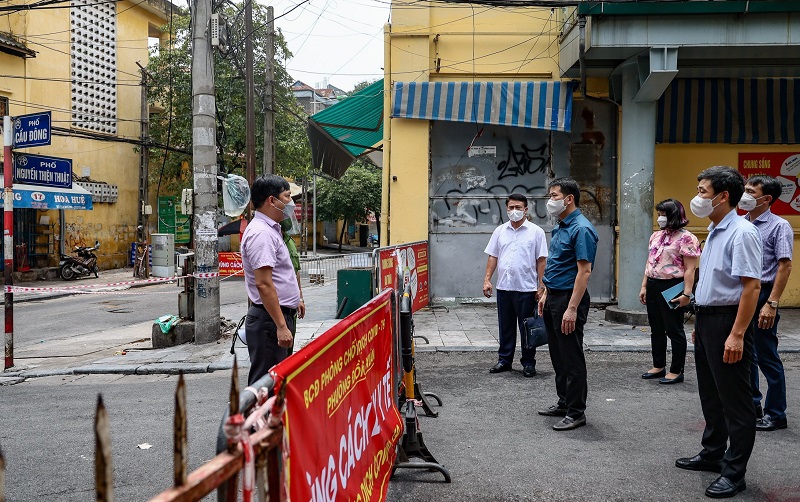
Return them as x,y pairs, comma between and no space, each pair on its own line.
637,168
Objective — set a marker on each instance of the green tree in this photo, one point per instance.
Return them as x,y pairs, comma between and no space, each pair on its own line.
362,85
352,197
170,91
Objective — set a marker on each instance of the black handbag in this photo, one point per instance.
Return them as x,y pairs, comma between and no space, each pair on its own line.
535,334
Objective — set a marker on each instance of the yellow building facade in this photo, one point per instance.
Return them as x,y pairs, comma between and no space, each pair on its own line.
84,72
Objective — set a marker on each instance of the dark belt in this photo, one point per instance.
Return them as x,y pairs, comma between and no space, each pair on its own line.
559,291
766,284
716,309
286,310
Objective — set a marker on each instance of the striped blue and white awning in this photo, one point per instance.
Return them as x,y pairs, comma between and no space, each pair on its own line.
734,111
537,105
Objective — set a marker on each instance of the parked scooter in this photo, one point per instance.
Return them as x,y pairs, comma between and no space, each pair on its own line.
72,267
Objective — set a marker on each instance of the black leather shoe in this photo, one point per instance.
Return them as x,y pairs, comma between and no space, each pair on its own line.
698,463
670,381
723,488
529,371
658,374
767,423
553,411
499,368
569,423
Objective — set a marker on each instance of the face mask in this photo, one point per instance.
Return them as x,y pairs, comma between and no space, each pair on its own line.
747,202
288,208
662,221
555,207
701,207
515,215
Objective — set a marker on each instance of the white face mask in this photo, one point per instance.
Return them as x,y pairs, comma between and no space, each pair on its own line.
556,207
288,208
747,202
662,221
516,215
702,207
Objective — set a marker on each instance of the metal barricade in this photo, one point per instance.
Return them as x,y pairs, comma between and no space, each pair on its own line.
220,473
320,269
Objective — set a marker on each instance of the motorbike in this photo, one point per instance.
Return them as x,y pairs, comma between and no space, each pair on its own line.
85,263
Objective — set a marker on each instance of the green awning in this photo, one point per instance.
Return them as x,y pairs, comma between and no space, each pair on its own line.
351,128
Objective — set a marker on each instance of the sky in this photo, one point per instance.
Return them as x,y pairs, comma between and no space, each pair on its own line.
337,40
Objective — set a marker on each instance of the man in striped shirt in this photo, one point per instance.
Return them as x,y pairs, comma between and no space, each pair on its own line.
777,242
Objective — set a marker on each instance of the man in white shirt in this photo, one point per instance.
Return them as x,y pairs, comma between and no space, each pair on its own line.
518,251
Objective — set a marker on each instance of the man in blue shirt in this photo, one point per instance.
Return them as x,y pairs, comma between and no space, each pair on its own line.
777,238
726,297
565,302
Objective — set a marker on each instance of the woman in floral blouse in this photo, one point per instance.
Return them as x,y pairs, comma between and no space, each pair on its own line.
672,260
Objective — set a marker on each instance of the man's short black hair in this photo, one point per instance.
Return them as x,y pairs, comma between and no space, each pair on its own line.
725,179
768,184
266,186
517,197
568,186
676,215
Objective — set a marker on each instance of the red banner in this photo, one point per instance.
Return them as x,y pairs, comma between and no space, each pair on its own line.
785,167
413,262
230,264
341,421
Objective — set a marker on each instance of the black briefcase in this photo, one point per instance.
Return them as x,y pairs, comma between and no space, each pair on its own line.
535,334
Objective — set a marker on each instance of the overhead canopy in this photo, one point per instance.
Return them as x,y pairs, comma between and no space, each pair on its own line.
346,130
537,105
723,110
39,197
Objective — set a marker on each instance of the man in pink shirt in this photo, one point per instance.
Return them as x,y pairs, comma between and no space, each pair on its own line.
269,277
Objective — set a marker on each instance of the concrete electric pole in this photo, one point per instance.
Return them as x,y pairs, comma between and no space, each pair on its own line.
249,93
269,100
204,163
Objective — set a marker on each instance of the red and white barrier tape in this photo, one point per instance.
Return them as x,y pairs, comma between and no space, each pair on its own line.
77,289
235,432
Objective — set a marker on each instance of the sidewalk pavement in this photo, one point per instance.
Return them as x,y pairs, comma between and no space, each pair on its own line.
445,328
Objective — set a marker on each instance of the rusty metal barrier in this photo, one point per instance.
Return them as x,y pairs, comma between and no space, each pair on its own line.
220,473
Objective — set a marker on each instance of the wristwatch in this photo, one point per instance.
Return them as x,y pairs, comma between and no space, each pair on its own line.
689,296
773,303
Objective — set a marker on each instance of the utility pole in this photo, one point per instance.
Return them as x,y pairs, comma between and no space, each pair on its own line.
204,163
8,238
314,228
269,100
250,114
144,166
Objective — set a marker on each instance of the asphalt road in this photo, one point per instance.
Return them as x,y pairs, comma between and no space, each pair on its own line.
61,318
48,442
57,318
498,448
488,435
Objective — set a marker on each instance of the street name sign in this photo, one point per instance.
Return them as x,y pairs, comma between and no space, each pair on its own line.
43,171
32,130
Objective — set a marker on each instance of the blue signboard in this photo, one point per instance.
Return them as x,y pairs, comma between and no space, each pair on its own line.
49,198
32,130
43,171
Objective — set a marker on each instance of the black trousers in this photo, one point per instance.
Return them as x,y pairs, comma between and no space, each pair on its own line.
566,351
262,342
725,394
665,322
512,309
